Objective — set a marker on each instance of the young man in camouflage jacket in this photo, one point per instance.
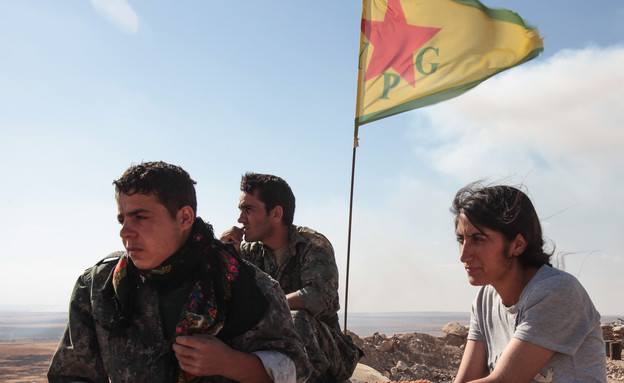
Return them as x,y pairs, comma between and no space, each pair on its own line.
178,305
302,260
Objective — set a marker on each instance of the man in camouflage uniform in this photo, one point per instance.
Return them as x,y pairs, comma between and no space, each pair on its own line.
178,305
302,260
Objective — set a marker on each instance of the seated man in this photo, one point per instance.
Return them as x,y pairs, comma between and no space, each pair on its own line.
302,261
530,322
178,305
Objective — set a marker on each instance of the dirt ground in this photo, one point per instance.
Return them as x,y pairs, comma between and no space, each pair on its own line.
615,368
25,362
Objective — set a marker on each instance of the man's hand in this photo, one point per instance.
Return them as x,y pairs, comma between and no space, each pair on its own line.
201,354
234,235
294,302
206,355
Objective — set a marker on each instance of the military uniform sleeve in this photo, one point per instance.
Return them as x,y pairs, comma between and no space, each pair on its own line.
275,331
77,358
319,276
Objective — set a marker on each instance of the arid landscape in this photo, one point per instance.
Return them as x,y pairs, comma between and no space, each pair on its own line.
28,341
25,362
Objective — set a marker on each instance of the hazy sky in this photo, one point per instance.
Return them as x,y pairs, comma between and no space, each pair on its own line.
88,88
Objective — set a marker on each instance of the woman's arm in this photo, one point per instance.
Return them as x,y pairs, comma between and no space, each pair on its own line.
520,363
474,362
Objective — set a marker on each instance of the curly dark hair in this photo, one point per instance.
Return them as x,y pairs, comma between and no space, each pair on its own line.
171,184
505,209
272,191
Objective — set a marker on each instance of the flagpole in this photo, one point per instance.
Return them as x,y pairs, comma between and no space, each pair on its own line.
508,42
355,145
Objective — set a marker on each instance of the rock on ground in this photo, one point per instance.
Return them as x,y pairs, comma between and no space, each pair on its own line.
366,374
615,371
412,356
416,357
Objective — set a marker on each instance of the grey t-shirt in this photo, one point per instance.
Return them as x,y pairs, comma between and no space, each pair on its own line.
554,312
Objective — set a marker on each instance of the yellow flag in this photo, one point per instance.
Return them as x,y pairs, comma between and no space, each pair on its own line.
415,53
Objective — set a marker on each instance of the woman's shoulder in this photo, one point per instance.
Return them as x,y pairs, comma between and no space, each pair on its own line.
550,277
555,287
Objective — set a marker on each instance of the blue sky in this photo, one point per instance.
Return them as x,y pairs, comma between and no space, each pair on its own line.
89,87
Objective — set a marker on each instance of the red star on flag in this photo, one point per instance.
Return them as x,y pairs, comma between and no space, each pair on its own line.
395,42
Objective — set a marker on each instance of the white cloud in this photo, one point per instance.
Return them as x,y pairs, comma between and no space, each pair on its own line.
564,111
119,13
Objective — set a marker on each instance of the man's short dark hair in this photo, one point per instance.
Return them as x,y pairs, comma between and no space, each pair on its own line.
505,209
171,184
272,191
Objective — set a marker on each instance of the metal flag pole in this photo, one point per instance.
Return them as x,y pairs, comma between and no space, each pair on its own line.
355,145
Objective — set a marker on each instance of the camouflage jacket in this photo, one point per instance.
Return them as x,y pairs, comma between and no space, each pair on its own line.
90,351
309,267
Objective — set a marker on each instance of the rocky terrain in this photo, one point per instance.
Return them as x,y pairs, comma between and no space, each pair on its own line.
416,357
412,357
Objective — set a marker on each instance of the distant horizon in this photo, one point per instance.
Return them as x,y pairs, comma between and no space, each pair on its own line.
56,309
20,325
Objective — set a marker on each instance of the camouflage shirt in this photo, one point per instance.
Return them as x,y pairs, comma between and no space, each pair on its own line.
93,349
309,267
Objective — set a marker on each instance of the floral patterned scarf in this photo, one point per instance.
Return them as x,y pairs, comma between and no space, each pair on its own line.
213,270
